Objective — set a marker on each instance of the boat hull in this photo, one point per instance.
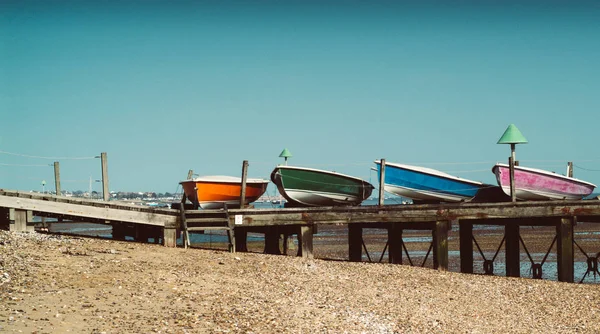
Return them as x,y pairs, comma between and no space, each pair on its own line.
537,184
426,184
215,194
312,187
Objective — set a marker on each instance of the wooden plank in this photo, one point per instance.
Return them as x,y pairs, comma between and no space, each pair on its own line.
512,249
465,230
243,190
440,245
215,220
564,249
355,243
306,242
208,228
105,213
382,183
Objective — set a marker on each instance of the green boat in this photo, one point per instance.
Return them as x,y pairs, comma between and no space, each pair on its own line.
313,187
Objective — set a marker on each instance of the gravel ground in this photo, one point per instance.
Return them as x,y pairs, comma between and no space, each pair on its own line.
59,284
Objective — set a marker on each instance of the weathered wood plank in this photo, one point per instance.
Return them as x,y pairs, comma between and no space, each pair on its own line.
170,237
20,225
208,228
306,242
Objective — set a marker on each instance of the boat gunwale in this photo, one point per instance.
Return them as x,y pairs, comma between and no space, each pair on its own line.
432,173
203,179
324,172
543,172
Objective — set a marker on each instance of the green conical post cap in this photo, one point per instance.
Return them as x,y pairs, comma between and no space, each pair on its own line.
285,153
512,135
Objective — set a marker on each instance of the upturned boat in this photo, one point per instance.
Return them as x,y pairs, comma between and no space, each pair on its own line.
538,184
313,187
426,184
213,192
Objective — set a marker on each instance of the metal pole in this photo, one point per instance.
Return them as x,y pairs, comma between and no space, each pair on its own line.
381,182
105,192
57,177
243,190
511,161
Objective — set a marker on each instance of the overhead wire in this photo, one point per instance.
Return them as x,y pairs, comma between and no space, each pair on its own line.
48,158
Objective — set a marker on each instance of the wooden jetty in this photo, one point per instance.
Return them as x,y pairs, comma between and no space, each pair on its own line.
437,218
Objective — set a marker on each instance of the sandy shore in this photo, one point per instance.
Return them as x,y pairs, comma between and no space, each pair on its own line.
57,284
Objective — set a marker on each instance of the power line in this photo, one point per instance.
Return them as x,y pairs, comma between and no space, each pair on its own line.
590,170
18,165
49,158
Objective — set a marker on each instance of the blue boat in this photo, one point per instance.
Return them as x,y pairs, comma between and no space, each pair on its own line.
426,184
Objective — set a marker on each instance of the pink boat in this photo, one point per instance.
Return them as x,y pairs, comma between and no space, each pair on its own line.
538,184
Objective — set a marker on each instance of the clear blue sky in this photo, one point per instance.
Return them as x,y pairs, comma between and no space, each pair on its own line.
163,88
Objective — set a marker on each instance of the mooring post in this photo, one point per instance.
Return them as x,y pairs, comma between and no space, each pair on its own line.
511,247
465,231
570,169
243,190
272,240
355,242
395,243
382,182
306,242
564,249
241,239
104,160
57,177
440,245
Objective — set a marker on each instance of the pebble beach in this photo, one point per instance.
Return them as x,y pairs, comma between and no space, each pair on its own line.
62,284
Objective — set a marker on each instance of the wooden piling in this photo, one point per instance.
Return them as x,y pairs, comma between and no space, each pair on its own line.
272,240
355,242
4,219
564,249
465,230
512,250
241,239
395,243
243,190
170,237
20,218
306,242
382,182
104,160
57,178
440,245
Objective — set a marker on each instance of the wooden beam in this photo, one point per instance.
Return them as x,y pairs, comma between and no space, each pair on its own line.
395,243
465,230
564,249
440,245
512,250
306,242
243,190
355,243
105,192
20,217
170,237
57,178
87,211
382,182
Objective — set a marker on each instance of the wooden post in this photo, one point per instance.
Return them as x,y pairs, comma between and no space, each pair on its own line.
395,243
440,245
465,230
20,217
355,243
241,239
569,169
170,237
272,240
244,177
306,242
564,249
105,193
4,219
511,165
511,247
381,183
57,177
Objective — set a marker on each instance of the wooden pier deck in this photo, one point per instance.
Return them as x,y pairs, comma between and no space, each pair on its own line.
437,218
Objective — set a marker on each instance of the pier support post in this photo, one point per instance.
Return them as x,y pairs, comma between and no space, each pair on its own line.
170,237
354,243
4,220
440,245
306,242
511,248
118,231
272,241
395,243
564,249
20,218
241,239
465,230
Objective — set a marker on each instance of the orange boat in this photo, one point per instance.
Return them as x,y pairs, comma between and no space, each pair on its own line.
212,192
